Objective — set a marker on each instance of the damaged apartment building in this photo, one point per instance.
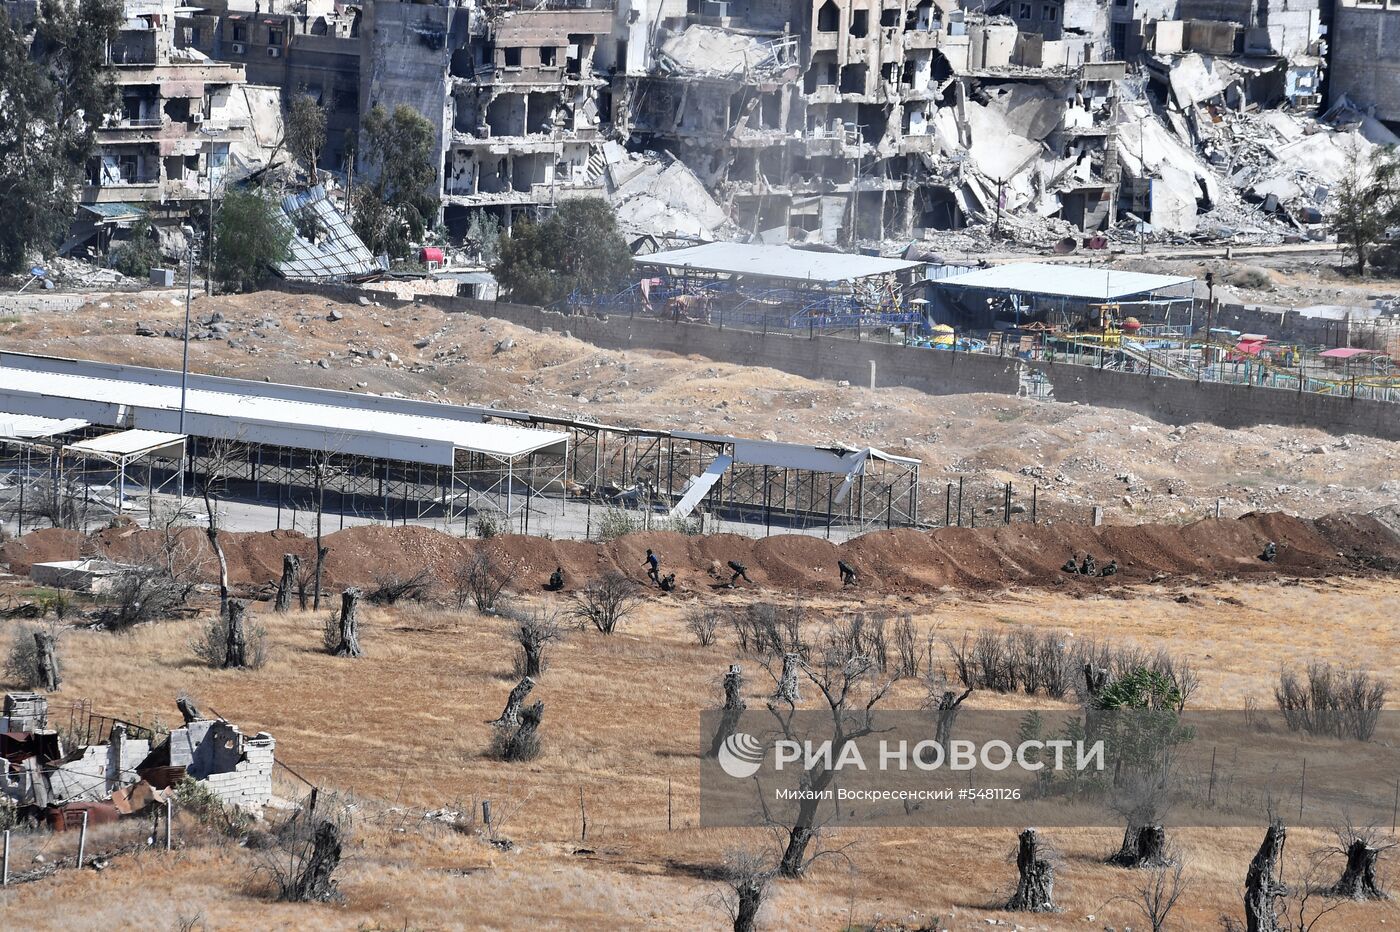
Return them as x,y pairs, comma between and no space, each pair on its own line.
835,121
843,122
184,122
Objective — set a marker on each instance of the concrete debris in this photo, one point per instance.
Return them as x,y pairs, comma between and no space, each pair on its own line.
712,52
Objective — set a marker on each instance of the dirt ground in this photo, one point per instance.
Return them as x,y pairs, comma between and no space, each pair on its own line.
403,731
1136,468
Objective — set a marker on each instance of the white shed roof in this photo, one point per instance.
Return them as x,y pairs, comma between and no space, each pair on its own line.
128,443
29,426
776,262
240,414
1068,281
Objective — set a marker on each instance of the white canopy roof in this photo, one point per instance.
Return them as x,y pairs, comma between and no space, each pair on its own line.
776,262
29,426
128,443
1068,281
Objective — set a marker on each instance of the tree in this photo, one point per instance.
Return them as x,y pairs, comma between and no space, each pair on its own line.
394,209
1368,201
252,236
849,688
305,132
483,237
605,601
138,253
58,89
579,248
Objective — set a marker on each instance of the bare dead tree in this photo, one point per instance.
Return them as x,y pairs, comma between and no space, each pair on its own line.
606,601
1035,876
346,624
1158,890
481,580
1263,887
733,707
746,876
534,633
236,642
850,690
221,458
390,589
510,716
290,566
1362,848
945,704
703,622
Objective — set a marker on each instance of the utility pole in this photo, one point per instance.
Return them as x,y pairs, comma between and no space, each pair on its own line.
189,286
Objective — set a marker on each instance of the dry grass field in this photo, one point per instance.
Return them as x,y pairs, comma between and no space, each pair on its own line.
402,731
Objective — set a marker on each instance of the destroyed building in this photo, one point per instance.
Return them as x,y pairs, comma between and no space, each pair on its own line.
184,123
122,764
831,121
309,47
1366,57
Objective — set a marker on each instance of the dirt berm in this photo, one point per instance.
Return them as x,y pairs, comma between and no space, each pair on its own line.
890,561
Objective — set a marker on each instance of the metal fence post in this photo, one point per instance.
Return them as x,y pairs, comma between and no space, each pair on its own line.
82,840
5,862
169,811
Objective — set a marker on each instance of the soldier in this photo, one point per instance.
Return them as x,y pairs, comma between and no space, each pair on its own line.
1110,570
1270,552
1087,568
848,574
1071,565
653,566
556,580
739,570
668,582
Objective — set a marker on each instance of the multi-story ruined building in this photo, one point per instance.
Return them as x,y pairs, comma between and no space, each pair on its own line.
1366,56
307,47
183,120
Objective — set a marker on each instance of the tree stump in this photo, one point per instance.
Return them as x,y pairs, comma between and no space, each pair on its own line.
236,635
948,705
524,742
734,707
290,566
188,709
349,645
314,883
1262,888
1143,846
787,682
46,661
510,716
1035,881
1359,876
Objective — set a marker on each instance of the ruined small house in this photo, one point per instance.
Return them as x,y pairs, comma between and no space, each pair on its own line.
123,764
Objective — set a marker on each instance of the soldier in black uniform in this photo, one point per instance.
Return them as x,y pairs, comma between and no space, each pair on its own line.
848,573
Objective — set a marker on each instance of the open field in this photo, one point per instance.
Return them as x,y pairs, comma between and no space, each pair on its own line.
403,731
1137,469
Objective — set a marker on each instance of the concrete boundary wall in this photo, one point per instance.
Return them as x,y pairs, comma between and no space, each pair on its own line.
1173,401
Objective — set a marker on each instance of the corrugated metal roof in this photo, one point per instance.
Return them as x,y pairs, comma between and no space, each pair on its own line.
128,443
336,253
773,262
262,419
30,427
1066,281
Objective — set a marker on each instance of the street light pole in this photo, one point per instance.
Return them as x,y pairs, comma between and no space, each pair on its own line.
189,285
